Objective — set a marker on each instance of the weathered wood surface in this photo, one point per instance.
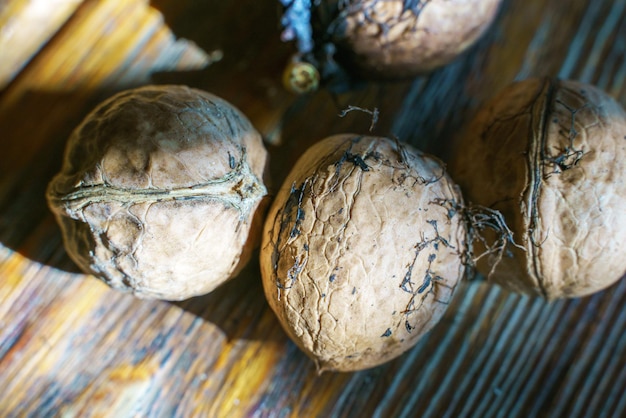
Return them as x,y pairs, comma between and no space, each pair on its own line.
69,346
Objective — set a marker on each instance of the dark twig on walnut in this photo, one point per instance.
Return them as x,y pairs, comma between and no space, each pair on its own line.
479,219
482,218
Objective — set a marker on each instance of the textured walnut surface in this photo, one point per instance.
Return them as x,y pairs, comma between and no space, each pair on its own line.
359,257
550,155
395,38
158,190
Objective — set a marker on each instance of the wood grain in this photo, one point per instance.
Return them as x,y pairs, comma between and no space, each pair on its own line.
26,26
70,346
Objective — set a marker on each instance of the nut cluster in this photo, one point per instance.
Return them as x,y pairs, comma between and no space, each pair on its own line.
162,188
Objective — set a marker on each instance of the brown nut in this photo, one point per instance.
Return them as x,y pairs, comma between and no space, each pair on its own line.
361,251
396,38
158,191
549,155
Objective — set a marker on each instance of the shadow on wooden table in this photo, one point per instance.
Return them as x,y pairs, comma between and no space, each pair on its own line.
35,128
235,306
245,36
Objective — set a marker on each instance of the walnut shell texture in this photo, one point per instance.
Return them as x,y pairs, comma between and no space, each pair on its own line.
362,250
158,191
396,38
550,155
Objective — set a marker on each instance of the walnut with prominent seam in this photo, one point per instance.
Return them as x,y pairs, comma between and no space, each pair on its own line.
158,191
550,156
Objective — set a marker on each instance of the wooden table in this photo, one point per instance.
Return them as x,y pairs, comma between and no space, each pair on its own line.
70,346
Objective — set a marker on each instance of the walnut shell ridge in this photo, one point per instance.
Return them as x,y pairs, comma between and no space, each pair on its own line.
362,250
158,192
550,156
388,39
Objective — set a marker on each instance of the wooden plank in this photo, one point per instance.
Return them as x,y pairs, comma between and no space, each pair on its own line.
26,26
70,346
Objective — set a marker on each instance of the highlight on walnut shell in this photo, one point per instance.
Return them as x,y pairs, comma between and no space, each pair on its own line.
549,156
362,250
159,190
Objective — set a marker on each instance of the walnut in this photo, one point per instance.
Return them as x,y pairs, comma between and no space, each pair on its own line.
362,250
158,192
396,38
549,156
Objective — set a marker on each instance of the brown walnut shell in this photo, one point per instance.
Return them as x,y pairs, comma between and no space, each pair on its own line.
158,191
361,250
550,156
390,39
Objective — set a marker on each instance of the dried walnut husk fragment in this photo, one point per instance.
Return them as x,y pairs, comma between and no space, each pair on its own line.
158,191
362,250
549,156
